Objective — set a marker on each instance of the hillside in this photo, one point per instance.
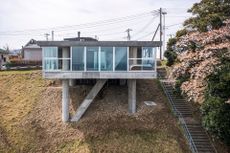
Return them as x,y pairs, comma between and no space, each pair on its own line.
30,119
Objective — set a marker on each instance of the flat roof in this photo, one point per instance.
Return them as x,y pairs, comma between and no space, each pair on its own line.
100,43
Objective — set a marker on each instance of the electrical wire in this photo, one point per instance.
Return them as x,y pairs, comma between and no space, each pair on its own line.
85,25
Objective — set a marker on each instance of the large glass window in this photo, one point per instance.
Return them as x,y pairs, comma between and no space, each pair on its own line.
141,58
121,59
147,61
78,58
92,58
106,58
50,52
50,58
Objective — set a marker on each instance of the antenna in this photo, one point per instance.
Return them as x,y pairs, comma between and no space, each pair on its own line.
46,36
128,34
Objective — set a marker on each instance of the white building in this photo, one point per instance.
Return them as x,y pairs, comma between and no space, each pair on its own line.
31,51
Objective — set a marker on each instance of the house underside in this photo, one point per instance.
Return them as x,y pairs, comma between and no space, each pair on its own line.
75,62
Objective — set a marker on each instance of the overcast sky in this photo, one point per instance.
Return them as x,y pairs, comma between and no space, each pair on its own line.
21,20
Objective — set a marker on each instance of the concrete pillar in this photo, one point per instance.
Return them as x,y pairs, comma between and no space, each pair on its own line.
132,95
72,82
65,100
65,54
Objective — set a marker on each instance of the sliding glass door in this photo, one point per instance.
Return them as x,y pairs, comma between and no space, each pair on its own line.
78,63
106,58
120,58
92,58
50,56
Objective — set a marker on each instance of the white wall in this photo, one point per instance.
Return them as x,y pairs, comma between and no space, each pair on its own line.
33,54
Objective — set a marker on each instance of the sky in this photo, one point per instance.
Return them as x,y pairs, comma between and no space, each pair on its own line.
22,20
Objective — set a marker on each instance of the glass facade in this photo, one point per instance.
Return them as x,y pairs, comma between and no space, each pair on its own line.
106,58
147,55
51,58
103,59
92,58
120,58
78,59
141,59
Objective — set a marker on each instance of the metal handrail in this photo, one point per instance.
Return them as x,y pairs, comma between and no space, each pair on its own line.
181,120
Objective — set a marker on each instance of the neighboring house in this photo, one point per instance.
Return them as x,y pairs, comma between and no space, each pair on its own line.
101,60
4,58
31,51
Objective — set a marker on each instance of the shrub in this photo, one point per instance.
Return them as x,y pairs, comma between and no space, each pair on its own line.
181,33
216,117
170,54
179,82
171,57
215,110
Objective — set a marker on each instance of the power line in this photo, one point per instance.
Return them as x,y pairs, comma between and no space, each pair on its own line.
173,25
146,26
85,25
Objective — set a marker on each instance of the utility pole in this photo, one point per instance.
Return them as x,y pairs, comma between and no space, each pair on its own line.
161,33
164,38
128,34
46,36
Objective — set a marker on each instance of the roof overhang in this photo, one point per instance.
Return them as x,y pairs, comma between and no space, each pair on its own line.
100,43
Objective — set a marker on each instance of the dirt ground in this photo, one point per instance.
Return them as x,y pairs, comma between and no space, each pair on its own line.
105,127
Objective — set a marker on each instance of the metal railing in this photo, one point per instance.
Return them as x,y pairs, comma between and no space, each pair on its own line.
181,121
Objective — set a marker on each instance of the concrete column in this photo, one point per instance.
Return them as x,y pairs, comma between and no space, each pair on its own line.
72,82
65,100
132,95
65,63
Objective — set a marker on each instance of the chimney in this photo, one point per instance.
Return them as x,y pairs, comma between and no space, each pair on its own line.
52,33
79,34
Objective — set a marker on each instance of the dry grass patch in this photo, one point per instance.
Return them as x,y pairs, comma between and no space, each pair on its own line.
30,114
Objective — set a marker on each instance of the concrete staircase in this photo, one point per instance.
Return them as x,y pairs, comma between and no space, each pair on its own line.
88,100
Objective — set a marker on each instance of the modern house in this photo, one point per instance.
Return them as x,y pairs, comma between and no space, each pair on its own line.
102,60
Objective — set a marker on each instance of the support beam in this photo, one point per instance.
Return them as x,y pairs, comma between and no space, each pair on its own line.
65,100
88,100
132,95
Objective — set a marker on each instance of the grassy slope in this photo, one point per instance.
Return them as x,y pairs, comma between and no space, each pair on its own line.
30,122
19,92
